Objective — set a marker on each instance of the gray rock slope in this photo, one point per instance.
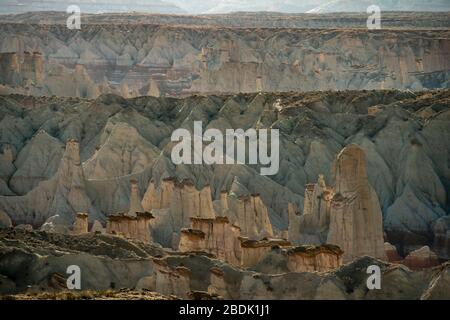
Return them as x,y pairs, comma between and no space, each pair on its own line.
405,137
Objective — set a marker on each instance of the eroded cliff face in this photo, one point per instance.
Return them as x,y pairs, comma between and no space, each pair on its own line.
133,60
41,180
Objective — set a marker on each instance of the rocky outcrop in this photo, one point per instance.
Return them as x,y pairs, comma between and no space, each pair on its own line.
133,224
123,152
138,227
215,236
312,225
421,258
174,281
70,190
314,258
192,240
135,200
355,218
80,225
252,251
253,217
391,253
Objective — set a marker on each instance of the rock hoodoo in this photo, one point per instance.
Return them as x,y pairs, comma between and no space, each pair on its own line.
133,224
312,226
355,216
253,217
80,225
313,258
216,236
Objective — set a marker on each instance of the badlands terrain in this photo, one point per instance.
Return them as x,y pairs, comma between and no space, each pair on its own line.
404,136
86,176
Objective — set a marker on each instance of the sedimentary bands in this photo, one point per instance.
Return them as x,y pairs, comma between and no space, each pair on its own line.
357,169
168,60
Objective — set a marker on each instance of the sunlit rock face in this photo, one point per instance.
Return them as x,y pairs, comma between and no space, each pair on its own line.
355,219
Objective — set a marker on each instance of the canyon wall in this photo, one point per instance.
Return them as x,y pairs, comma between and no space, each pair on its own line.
133,60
